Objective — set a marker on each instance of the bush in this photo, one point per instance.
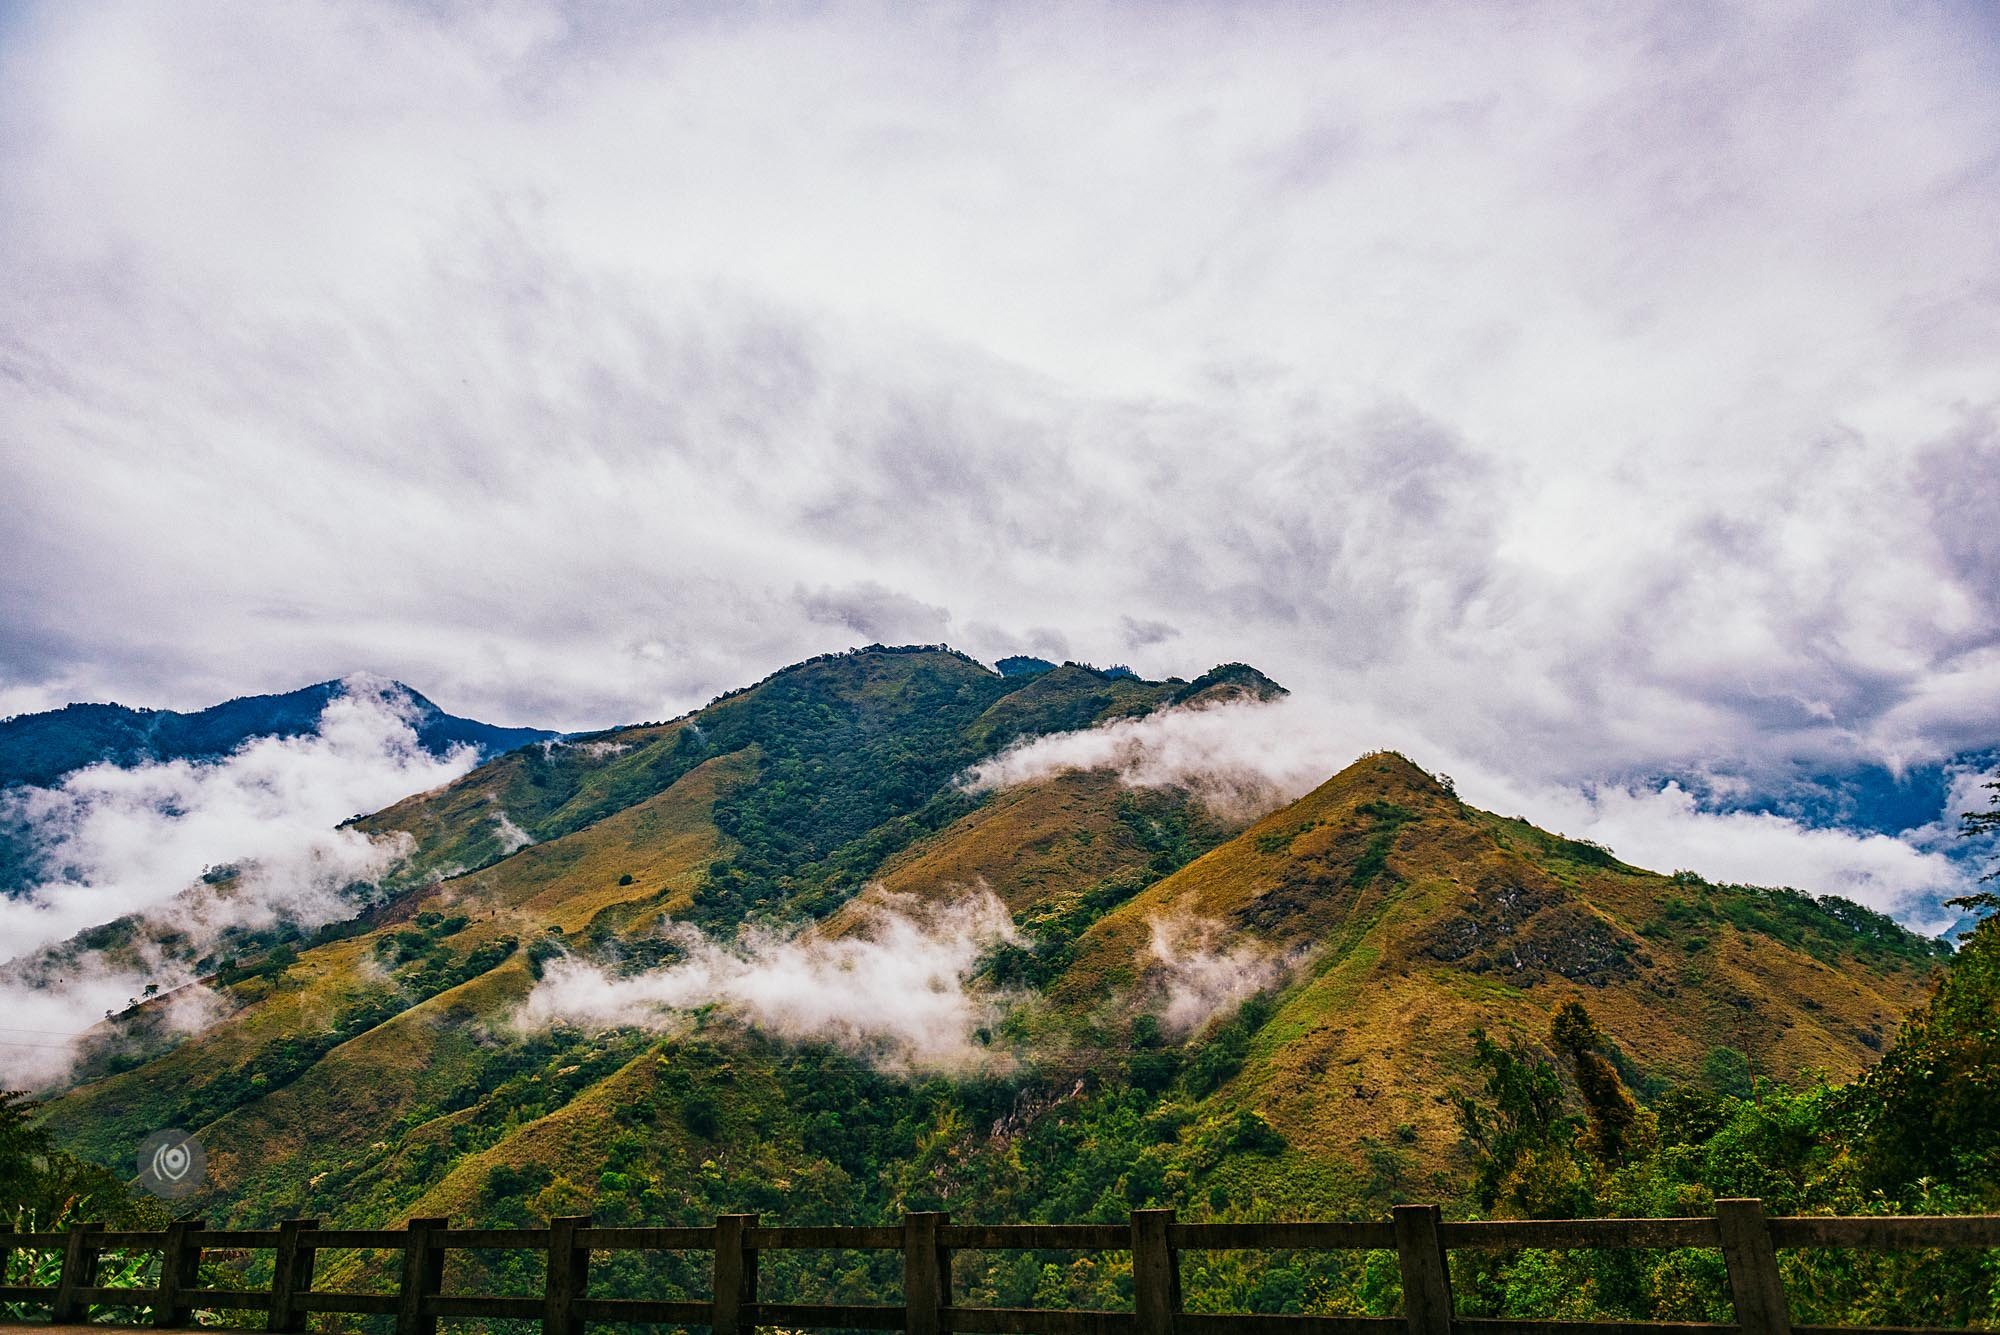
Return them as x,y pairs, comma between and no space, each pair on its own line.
1249,1133
701,1117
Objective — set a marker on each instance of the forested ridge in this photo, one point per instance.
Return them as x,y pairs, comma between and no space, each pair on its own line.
1458,1008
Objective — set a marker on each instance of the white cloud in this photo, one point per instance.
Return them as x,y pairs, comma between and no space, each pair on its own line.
894,991
119,841
136,841
50,1008
1665,829
1253,757
1201,977
512,837
45,1023
1243,757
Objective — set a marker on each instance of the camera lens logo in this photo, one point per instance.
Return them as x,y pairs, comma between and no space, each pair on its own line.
171,1164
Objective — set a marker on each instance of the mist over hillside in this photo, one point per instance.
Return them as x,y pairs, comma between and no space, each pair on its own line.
911,865
160,838
43,748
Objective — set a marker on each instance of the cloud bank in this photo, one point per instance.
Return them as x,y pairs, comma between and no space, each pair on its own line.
1250,758
118,842
1607,390
1242,757
895,992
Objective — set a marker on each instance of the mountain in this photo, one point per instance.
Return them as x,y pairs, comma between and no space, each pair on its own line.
1414,918
39,749
1176,1007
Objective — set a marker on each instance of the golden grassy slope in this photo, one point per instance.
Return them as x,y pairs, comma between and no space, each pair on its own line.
1028,844
344,1111
355,1096
664,844
1472,921
457,827
325,982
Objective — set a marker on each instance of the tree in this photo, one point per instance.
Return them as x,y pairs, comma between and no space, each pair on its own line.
1523,1142
23,1147
1931,1108
43,1187
1973,824
1613,1114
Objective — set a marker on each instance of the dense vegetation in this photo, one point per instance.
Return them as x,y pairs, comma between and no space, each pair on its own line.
1550,1129
1446,1005
1918,1134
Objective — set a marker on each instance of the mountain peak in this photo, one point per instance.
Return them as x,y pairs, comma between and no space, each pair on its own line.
1379,776
1229,681
1393,769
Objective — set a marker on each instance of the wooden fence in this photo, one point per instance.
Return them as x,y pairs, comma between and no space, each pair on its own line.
1747,1238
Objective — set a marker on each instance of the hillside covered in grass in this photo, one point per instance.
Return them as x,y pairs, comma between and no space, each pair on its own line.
580,992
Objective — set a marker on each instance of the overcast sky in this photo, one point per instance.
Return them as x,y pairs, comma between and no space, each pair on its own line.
1596,389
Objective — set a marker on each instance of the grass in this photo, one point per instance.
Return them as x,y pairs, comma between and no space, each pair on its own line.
1412,917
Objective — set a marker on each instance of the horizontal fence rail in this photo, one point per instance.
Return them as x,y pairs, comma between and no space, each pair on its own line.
1747,1238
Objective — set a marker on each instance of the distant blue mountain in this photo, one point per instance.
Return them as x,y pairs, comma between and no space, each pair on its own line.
40,749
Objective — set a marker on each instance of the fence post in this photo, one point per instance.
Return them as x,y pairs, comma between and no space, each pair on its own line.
568,1276
79,1271
1754,1283
1156,1273
1426,1277
423,1277
291,1275
180,1268
735,1275
926,1273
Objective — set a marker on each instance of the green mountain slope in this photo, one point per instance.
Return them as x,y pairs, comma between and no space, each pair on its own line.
781,798
1220,1018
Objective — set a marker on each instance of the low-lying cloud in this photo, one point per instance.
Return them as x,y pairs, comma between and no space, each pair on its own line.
1243,757
136,842
46,1023
116,841
1248,758
512,837
1204,976
896,991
